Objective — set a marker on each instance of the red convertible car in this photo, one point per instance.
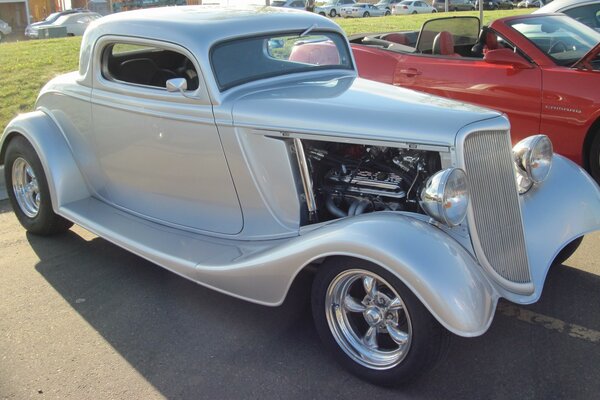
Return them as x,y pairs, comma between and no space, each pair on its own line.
543,71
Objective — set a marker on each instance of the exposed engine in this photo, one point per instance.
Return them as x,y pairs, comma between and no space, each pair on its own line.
350,179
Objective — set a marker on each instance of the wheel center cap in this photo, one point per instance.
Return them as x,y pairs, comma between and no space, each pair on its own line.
373,316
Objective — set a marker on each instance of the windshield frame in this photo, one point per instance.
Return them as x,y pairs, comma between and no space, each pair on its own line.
342,46
580,29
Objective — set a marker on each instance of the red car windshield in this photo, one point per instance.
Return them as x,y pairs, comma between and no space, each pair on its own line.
562,38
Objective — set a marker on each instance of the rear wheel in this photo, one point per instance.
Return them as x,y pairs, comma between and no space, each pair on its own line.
414,12
387,13
373,324
28,192
322,13
366,14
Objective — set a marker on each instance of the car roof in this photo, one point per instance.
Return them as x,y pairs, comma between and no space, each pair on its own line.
562,5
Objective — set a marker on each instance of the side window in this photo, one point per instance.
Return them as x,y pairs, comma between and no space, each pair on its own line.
588,15
146,65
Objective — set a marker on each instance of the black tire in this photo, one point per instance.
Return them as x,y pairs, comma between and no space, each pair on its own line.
594,158
45,222
568,251
387,13
1,37
414,12
429,340
322,13
366,15
332,13
433,11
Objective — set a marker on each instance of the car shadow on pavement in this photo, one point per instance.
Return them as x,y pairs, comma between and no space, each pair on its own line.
192,342
5,206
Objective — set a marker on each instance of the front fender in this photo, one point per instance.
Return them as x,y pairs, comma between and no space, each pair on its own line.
65,182
564,207
441,273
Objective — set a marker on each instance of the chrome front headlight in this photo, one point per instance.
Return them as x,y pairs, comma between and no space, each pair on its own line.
533,159
445,196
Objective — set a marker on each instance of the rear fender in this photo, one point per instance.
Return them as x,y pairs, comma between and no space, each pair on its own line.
65,181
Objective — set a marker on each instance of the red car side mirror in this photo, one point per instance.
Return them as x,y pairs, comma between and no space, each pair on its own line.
506,57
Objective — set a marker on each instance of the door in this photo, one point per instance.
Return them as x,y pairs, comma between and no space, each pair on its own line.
160,152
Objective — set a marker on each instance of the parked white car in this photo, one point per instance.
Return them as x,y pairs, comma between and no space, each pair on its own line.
363,10
412,7
295,4
76,23
333,8
5,29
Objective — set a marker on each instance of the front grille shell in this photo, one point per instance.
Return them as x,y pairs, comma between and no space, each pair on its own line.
494,215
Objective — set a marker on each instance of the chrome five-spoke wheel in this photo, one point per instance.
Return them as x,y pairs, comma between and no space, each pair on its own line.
25,187
368,319
372,323
28,189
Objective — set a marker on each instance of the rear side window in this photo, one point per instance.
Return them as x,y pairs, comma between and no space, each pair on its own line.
146,65
281,54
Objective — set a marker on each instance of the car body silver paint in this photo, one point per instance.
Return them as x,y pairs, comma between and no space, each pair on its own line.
255,120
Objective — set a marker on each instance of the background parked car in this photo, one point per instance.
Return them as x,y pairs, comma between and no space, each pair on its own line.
585,11
5,29
295,4
541,70
496,5
412,7
333,8
530,4
32,32
363,10
75,23
454,5
387,4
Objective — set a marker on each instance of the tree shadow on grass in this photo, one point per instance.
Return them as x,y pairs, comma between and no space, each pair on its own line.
192,342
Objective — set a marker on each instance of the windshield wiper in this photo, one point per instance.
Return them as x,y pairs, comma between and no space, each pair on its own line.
310,28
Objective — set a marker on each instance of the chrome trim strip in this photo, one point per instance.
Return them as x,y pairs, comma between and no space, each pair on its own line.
306,181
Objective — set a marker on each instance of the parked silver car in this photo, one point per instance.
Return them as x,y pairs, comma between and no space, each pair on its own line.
5,29
414,210
32,30
584,11
74,23
333,8
363,10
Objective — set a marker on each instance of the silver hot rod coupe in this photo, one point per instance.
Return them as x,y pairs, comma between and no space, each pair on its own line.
237,147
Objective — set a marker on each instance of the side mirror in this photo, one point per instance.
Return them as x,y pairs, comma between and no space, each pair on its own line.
506,57
176,85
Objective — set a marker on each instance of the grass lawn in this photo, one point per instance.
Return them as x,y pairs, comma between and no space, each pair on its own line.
26,66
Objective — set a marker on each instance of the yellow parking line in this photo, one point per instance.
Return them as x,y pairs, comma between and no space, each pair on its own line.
553,324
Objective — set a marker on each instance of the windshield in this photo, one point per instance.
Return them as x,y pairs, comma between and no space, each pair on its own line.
563,39
243,60
52,17
278,3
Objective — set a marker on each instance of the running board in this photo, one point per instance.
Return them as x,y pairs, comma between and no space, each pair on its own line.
184,253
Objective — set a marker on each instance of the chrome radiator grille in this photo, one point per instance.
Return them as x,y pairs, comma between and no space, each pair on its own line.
498,231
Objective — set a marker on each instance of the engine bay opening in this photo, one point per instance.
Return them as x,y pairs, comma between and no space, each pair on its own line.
353,179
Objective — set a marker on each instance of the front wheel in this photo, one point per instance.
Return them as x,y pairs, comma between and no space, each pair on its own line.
373,324
28,192
568,251
332,13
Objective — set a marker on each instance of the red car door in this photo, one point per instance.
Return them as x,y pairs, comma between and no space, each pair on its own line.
516,92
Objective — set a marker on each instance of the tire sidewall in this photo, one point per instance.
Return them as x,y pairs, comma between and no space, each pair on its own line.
42,222
428,340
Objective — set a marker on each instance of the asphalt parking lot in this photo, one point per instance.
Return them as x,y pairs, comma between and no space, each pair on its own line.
83,319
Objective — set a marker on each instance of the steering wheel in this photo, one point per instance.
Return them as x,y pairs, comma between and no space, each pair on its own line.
556,45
